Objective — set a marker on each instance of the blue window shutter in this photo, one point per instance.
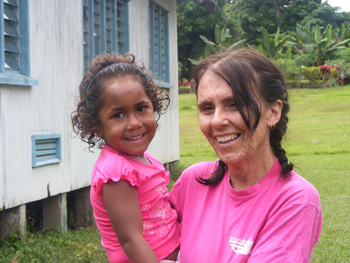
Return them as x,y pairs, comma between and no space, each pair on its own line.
14,43
46,149
11,40
122,27
152,39
86,34
159,44
105,27
97,28
109,27
166,48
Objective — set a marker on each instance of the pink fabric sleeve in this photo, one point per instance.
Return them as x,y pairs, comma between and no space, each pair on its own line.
104,180
288,236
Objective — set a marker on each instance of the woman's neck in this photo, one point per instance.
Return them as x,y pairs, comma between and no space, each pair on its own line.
247,174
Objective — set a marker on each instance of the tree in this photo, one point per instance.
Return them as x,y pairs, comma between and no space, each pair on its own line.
273,46
194,20
208,4
222,42
324,15
271,15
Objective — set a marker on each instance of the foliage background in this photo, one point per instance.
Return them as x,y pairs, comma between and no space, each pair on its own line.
246,18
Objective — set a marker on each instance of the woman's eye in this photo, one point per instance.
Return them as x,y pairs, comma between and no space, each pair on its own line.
206,108
233,106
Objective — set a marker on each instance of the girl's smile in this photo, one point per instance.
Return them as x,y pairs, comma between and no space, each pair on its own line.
126,115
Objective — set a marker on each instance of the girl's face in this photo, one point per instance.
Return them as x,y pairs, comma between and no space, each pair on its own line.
126,116
223,126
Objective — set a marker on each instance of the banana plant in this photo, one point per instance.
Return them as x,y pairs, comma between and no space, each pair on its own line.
273,46
316,41
222,42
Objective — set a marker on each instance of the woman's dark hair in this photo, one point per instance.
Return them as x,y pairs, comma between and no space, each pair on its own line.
85,118
250,74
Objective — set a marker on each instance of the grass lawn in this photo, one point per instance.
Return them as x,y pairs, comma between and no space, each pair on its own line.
317,142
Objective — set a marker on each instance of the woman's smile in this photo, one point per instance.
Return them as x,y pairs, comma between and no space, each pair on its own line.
227,138
223,125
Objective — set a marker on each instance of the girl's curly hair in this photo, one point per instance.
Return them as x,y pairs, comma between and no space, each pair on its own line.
85,118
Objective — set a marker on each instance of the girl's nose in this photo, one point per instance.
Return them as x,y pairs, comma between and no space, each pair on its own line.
219,119
133,122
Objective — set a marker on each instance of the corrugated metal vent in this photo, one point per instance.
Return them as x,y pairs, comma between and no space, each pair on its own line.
46,149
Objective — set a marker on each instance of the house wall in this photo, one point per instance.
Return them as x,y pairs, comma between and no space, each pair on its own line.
57,63
165,146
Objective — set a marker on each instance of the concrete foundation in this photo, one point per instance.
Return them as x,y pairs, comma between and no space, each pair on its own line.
13,220
83,210
55,212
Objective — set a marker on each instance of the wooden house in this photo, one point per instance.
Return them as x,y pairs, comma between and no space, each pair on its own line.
45,47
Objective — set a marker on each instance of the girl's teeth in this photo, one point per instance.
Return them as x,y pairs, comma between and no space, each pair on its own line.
135,138
227,138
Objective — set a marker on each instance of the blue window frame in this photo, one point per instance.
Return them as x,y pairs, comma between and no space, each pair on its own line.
106,28
14,43
46,149
159,44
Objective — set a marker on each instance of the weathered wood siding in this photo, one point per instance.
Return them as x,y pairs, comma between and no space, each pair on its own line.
57,62
165,146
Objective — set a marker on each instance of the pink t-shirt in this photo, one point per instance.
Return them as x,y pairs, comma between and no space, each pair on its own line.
276,220
160,226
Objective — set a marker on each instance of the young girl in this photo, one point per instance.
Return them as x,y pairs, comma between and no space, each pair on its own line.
117,109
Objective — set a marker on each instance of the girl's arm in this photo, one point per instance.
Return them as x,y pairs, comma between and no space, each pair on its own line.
123,209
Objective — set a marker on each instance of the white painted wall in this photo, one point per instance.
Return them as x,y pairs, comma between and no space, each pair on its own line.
57,62
165,146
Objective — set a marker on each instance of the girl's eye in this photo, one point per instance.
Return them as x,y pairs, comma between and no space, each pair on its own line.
118,115
141,108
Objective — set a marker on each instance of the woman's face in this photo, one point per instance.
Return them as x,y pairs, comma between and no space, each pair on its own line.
223,126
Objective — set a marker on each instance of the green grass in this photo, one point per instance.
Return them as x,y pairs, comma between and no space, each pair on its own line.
317,142
81,245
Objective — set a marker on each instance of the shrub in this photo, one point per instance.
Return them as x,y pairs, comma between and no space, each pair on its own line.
342,69
288,67
312,74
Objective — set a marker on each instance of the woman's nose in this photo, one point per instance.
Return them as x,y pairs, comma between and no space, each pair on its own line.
133,122
219,119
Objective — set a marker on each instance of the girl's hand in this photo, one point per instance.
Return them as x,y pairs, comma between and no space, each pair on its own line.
123,209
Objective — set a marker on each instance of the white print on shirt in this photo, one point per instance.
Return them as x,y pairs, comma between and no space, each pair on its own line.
242,247
159,214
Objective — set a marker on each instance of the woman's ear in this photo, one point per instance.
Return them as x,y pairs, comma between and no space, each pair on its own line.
275,112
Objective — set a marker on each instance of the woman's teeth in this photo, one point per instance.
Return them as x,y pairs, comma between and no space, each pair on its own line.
227,138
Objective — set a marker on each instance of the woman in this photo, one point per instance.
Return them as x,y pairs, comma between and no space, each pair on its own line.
249,206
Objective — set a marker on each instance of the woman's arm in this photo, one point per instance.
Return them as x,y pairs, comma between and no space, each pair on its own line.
123,209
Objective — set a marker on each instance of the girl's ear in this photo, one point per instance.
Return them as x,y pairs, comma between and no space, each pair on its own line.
99,132
275,112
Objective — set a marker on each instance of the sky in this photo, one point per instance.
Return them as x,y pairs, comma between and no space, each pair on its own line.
343,4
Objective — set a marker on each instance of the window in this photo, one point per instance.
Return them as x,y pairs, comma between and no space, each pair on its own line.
106,28
14,43
159,44
46,149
